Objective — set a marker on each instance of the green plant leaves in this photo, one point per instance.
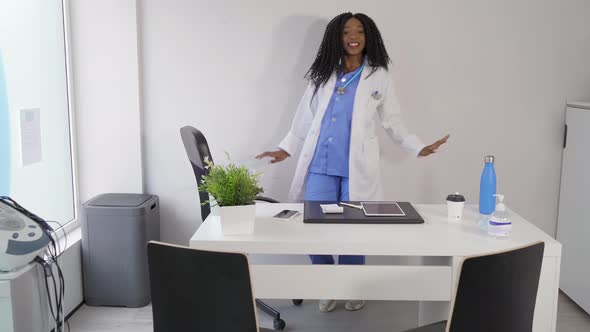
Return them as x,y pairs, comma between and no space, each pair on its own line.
230,184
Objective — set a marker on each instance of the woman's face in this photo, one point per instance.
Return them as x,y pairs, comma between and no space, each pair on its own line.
353,37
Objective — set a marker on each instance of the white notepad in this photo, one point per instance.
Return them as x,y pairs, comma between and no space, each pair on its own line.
331,208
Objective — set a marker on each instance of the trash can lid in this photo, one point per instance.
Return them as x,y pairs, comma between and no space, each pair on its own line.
119,200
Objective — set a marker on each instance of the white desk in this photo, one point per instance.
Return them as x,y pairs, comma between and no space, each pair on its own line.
439,245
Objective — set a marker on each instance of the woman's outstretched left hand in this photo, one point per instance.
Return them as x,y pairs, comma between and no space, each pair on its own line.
430,149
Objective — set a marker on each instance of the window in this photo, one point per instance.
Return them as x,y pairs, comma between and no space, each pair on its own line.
36,166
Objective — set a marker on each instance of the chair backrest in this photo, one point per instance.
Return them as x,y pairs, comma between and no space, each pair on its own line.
196,290
498,292
197,150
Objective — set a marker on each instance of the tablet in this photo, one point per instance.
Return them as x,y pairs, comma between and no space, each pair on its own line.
382,209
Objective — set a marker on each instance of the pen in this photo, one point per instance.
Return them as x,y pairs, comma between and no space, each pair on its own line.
360,207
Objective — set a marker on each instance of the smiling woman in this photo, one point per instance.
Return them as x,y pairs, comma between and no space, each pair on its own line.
35,146
350,94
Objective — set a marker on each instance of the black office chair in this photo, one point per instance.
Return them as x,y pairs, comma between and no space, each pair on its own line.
197,149
496,293
196,290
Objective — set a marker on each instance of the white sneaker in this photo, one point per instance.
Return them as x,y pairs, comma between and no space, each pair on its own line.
354,305
327,305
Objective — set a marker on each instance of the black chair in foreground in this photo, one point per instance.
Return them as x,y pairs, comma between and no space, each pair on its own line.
196,290
495,293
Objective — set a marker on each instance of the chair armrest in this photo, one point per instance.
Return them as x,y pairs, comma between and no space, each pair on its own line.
266,199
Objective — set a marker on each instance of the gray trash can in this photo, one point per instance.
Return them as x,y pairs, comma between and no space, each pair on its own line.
115,232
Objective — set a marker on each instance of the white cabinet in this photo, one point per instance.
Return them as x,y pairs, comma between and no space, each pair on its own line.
573,225
23,301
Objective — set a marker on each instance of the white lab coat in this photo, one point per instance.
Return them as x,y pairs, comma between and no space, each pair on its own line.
375,103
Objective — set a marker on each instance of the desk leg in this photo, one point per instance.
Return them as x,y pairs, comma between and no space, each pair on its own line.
430,311
546,306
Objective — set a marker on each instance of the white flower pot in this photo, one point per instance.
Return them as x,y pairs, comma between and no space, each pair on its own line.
213,206
237,219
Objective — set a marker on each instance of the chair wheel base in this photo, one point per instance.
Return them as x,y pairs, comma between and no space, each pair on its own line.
279,324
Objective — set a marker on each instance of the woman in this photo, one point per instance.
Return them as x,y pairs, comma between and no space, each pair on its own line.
350,93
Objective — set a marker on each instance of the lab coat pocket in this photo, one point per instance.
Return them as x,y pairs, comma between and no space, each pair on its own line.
372,105
371,151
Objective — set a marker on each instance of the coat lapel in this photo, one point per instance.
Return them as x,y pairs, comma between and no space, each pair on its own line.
325,93
360,104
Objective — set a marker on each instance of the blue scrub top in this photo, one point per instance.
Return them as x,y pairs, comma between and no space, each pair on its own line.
333,147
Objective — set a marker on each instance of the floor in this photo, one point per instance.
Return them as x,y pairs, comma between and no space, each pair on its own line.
376,317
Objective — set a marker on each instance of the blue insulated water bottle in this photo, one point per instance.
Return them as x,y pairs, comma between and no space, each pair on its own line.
487,187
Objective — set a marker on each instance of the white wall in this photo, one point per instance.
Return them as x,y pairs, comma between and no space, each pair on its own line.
106,96
107,111
493,74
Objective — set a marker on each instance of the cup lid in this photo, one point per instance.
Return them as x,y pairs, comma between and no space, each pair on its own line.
456,197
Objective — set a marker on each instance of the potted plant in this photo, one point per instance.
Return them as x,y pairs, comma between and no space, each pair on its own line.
233,189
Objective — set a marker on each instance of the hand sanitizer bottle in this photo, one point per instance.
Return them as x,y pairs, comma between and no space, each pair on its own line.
499,223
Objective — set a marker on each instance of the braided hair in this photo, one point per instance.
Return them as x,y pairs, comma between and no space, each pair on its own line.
332,50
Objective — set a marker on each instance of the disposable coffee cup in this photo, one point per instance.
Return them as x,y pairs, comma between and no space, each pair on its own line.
455,204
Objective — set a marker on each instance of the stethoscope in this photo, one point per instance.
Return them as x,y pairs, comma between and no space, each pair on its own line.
342,89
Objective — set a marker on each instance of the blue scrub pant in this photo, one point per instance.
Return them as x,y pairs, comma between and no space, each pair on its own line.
322,187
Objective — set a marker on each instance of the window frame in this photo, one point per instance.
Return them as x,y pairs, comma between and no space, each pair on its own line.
75,222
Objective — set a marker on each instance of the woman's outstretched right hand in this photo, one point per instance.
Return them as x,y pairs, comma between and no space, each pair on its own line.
276,156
